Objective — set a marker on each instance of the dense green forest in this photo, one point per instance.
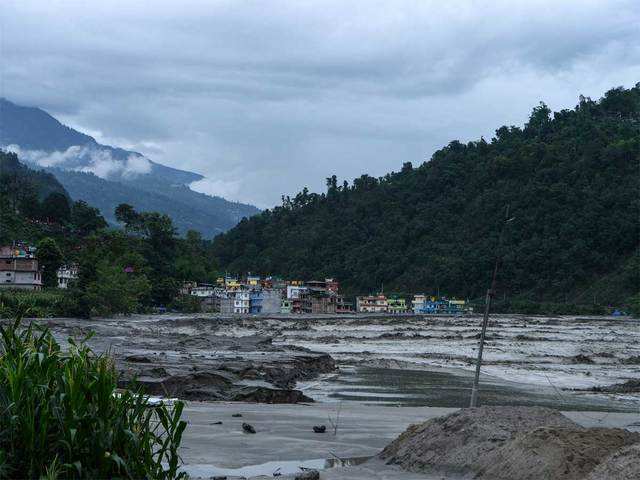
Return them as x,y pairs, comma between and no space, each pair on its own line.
120,270
571,180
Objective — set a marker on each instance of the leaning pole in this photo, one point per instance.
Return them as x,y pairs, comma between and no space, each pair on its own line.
487,308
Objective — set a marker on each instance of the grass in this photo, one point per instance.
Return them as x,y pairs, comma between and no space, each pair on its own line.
61,416
41,303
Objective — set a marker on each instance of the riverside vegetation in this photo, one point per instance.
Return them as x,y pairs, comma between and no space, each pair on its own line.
570,178
63,418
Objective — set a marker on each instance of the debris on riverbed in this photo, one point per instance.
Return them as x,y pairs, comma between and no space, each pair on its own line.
248,428
500,443
630,386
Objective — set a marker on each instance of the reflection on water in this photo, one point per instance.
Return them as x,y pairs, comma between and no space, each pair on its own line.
443,389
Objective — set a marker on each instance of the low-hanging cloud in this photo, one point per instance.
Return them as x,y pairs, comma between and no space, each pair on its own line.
86,158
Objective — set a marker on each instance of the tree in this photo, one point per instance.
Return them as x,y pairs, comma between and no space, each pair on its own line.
126,214
86,219
50,259
55,208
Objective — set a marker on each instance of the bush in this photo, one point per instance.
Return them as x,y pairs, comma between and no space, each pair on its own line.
40,303
186,304
62,417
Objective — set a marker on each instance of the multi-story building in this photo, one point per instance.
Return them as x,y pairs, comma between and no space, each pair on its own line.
372,304
265,301
318,301
342,306
332,285
67,274
286,306
432,305
241,301
253,281
396,304
19,268
231,283
295,291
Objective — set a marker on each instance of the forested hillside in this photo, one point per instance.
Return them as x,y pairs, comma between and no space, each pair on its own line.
123,270
571,180
117,175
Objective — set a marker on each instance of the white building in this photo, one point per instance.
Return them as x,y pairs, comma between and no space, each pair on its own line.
241,302
66,274
203,291
294,292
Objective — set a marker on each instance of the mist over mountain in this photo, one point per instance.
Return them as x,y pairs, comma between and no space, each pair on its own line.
105,176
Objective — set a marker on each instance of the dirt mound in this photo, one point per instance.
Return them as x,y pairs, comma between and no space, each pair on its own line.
457,442
514,443
555,452
622,465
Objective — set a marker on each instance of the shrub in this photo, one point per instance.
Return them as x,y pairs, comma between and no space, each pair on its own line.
63,418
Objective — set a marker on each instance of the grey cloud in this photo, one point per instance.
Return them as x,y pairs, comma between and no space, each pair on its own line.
265,98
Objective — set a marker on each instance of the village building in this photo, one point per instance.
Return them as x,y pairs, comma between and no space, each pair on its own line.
423,304
342,306
372,304
286,306
396,304
67,274
332,285
241,302
203,290
265,301
19,268
295,291
318,301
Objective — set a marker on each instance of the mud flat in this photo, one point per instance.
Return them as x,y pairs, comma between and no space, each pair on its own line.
285,439
188,358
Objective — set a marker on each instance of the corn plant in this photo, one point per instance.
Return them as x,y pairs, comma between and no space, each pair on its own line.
61,416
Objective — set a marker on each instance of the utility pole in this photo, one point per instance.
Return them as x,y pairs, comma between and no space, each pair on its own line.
487,308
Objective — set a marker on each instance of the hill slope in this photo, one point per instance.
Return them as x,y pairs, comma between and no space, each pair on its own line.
123,176
571,180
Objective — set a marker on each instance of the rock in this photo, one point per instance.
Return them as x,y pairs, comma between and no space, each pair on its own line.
137,359
630,386
580,358
457,442
320,429
567,453
307,475
248,428
621,465
633,360
267,395
190,386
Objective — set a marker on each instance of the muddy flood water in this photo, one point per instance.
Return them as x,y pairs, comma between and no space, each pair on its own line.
383,360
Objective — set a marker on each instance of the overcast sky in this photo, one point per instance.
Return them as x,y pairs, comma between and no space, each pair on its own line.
266,97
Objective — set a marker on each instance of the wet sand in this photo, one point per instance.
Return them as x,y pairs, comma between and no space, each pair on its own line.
285,437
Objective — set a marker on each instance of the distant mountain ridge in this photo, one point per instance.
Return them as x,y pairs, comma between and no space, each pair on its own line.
105,176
